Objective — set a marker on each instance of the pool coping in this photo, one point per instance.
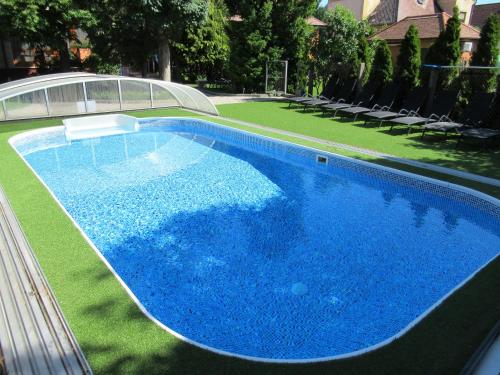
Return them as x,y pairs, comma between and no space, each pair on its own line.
352,354
34,334
364,151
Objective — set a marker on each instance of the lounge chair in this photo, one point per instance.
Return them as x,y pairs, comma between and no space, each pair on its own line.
332,85
482,134
366,94
384,102
411,104
442,105
473,115
344,91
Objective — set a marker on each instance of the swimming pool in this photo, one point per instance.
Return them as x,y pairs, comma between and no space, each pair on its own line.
263,249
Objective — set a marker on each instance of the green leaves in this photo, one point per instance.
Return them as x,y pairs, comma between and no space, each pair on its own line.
338,42
409,60
487,53
382,70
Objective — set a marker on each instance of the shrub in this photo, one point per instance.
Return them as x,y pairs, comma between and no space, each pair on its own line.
487,54
382,69
409,61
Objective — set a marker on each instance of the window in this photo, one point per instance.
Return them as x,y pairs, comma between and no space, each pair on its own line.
462,16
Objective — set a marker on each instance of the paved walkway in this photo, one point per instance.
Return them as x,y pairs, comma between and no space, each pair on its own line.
222,98
34,336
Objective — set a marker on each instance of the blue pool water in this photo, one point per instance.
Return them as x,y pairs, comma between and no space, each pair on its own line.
251,247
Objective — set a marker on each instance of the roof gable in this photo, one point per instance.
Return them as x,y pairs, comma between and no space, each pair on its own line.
429,27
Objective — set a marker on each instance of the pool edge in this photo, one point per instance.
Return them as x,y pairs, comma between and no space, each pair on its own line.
348,355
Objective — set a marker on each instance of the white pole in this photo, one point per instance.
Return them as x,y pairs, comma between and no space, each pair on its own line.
120,94
267,72
4,109
85,99
47,105
286,75
151,94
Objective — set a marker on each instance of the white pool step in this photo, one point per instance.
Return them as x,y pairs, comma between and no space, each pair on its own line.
99,126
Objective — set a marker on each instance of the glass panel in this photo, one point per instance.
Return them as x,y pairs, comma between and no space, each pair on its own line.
135,95
102,96
66,99
163,98
27,105
202,102
2,114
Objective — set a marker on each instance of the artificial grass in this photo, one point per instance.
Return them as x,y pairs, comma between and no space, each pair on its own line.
118,339
432,149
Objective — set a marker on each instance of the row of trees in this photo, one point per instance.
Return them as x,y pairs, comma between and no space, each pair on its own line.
198,36
445,51
195,34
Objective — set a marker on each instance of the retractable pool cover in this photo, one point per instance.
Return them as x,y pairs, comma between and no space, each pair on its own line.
66,94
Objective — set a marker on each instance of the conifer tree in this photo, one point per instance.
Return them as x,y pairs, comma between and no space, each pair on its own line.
382,69
408,64
446,49
487,54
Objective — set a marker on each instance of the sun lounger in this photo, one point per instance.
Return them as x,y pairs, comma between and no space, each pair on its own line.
442,105
473,115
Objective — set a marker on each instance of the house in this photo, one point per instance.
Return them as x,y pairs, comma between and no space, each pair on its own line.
386,12
480,13
429,27
18,59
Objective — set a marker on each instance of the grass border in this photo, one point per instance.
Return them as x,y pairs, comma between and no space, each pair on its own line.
117,338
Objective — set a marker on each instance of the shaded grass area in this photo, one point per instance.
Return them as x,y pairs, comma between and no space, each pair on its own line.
432,149
118,339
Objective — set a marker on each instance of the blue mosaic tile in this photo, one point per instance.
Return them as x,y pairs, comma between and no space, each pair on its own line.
249,246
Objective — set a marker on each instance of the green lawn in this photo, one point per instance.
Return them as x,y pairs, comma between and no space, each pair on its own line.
118,339
432,149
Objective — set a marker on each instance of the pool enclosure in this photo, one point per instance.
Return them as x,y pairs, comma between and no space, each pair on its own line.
67,94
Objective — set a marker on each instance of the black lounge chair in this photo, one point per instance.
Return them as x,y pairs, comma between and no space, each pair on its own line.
298,99
411,104
473,115
384,102
332,85
302,98
344,91
442,105
482,134
366,94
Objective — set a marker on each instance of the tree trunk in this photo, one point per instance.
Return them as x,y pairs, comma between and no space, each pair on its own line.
64,58
164,49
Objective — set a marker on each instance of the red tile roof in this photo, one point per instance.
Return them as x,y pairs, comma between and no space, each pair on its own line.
429,27
480,13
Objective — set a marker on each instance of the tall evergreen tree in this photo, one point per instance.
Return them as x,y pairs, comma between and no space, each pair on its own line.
446,49
487,54
251,45
292,34
409,61
382,69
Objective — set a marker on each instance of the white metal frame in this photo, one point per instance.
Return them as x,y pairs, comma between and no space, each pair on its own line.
54,80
